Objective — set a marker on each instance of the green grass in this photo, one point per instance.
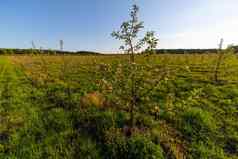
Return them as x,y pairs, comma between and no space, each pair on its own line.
41,113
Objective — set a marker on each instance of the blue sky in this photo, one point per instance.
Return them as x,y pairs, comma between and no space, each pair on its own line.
87,24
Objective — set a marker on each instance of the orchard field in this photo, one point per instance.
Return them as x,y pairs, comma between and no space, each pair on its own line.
71,106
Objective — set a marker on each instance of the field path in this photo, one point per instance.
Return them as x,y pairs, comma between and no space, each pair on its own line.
15,106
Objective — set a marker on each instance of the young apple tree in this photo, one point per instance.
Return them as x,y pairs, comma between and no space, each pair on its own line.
132,45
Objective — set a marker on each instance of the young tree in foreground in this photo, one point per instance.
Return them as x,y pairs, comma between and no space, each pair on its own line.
128,34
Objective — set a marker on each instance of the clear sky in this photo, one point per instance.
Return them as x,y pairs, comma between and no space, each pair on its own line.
87,24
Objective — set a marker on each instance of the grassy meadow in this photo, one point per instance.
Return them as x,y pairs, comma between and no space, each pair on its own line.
71,106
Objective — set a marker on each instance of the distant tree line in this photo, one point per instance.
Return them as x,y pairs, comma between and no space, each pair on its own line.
185,51
234,47
4,51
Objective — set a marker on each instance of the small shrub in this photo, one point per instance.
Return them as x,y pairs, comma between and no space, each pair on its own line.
92,99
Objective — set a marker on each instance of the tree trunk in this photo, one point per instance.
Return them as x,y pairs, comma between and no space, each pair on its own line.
133,91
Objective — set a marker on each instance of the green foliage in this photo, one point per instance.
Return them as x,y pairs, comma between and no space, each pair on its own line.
44,137
94,122
205,151
144,121
198,124
142,148
128,34
87,149
137,146
115,144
